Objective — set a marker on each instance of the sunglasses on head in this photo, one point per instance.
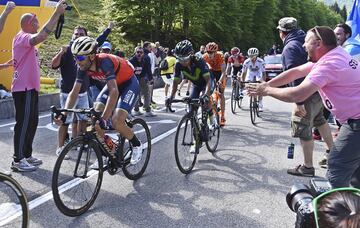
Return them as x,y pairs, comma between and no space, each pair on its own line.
316,31
80,57
321,196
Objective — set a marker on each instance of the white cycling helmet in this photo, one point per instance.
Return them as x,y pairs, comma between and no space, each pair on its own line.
253,52
84,46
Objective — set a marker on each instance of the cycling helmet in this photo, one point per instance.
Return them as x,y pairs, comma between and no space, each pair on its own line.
212,47
183,49
235,50
253,52
84,46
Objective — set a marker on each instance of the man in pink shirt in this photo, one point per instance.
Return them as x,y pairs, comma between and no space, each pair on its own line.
26,85
335,74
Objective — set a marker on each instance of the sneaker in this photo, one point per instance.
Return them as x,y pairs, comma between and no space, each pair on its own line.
187,93
150,114
316,137
137,113
153,105
95,165
58,151
136,154
34,161
23,166
302,170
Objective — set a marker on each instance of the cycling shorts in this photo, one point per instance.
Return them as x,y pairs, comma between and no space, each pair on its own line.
128,95
235,70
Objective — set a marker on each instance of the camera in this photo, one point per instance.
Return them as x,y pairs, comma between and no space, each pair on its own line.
300,198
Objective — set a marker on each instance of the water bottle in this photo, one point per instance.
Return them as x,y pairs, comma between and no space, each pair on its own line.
290,154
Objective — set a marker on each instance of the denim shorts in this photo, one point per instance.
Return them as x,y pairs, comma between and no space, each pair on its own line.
344,156
128,95
81,102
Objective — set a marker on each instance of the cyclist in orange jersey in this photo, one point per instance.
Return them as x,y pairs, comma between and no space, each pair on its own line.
215,60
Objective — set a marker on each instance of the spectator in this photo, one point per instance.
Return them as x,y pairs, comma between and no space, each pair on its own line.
273,50
149,51
330,70
168,74
201,52
64,60
141,63
106,47
26,85
351,45
119,53
307,113
8,8
338,208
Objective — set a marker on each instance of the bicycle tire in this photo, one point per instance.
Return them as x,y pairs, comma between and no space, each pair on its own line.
62,189
188,123
233,98
134,172
10,188
257,108
252,110
214,136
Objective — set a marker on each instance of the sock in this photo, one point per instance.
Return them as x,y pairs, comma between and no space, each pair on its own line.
135,141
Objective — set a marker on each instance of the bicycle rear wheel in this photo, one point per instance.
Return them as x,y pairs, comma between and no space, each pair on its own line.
214,135
142,132
14,211
75,185
252,109
184,140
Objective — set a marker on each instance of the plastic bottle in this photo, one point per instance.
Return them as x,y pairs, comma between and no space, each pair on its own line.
290,153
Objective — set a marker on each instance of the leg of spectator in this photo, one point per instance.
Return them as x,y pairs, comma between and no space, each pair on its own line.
325,133
33,121
19,101
308,148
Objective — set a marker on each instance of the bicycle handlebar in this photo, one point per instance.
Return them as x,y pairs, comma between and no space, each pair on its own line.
89,112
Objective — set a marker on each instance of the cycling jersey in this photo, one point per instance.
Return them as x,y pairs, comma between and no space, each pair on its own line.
216,62
254,70
109,67
236,60
196,74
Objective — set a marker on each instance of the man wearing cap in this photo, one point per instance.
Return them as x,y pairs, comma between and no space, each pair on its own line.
308,113
106,47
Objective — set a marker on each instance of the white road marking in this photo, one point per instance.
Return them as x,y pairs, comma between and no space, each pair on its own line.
13,123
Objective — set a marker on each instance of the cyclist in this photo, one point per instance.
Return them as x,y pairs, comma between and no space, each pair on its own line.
215,59
235,64
254,70
120,92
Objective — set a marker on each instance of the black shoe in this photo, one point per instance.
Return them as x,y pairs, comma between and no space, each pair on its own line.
302,170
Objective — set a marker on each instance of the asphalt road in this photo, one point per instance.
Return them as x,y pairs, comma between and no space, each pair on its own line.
242,185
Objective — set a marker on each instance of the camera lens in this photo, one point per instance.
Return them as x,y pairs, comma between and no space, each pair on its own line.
299,195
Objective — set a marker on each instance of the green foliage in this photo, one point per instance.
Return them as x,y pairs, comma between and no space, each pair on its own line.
244,23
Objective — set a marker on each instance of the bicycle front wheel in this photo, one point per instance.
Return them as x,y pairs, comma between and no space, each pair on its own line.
142,132
234,97
214,135
14,211
76,182
186,146
252,109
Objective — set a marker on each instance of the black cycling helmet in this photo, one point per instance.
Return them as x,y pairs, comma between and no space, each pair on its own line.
183,49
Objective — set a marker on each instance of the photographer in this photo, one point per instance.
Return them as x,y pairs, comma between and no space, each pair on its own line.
338,208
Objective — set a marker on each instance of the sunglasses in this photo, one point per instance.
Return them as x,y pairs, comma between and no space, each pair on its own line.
139,52
183,58
79,34
318,198
80,57
316,31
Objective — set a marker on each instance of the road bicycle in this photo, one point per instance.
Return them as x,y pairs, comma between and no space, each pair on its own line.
236,96
14,210
254,105
78,171
192,131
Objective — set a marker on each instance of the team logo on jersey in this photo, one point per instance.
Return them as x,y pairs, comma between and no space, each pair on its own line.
129,97
194,77
353,63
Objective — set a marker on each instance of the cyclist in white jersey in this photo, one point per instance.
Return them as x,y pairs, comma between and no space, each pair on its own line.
254,70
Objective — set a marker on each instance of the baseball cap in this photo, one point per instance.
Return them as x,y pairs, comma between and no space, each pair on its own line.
106,45
287,24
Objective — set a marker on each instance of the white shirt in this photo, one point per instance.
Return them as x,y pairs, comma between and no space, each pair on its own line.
254,70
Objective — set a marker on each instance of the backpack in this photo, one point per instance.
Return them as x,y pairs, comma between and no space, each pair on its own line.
164,65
